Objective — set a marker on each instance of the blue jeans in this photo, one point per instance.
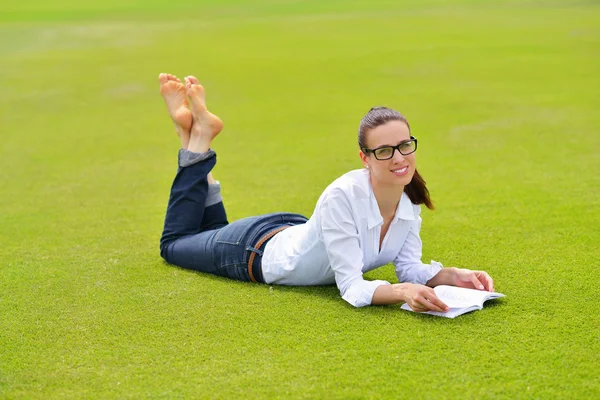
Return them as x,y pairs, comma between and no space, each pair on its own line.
199,237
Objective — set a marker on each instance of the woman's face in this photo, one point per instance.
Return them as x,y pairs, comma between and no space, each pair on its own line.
399,169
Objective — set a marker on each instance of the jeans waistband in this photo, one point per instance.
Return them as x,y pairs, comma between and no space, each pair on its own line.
254,261
264,225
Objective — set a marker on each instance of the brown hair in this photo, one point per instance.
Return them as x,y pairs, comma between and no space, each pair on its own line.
416,190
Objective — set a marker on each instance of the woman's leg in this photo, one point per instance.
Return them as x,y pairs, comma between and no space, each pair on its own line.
187,201
194,205
175,94
206,126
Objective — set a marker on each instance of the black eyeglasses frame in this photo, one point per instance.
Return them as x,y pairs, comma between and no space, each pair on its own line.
394,148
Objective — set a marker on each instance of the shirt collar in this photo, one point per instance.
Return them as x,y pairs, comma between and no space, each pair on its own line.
374,217
405,209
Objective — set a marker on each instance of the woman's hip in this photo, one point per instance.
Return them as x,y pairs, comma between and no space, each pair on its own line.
236,244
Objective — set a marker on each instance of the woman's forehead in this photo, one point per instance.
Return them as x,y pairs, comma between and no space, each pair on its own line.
390,133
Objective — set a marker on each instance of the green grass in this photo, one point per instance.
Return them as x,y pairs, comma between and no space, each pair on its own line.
502,95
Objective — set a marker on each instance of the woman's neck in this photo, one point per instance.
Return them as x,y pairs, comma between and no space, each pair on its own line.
388,197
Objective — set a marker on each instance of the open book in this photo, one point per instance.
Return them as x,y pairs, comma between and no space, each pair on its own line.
460,300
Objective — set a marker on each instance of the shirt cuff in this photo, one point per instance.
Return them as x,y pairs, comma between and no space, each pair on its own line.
360,293
428,271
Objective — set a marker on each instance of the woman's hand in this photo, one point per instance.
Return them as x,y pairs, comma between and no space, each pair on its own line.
422,298
479,280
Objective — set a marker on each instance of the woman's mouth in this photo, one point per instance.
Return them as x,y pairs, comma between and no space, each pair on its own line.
400,171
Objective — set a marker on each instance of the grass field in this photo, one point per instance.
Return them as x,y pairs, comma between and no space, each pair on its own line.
502,95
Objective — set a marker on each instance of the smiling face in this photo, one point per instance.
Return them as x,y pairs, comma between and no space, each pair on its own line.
399,169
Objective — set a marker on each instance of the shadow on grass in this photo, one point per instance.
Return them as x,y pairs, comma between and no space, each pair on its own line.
330,294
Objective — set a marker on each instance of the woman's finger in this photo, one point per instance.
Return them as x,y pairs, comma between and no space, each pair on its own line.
433,303
438,305
487,281
420,304
476,283
418,308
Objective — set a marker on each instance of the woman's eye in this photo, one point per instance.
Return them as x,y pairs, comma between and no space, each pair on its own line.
407,147
386,151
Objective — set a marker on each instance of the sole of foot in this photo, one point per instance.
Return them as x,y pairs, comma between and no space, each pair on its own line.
175,94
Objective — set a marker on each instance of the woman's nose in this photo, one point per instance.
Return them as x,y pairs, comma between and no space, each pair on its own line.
397,156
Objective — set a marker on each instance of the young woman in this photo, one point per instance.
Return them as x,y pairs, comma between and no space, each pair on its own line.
363,220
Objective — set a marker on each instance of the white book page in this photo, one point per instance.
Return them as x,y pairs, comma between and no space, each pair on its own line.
453,312
456,297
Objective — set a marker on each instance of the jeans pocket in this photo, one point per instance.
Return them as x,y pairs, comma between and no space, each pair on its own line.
229,257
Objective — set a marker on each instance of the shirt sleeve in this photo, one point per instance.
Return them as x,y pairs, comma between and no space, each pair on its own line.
409,267
341,238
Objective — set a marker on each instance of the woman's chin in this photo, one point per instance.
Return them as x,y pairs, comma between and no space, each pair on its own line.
403,179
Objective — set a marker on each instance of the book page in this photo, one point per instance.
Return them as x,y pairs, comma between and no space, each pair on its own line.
456,297
453,312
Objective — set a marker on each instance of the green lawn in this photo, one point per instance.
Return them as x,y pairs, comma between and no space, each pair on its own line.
502,95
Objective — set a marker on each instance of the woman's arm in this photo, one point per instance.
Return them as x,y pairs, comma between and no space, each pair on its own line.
446,276
341,239
409,267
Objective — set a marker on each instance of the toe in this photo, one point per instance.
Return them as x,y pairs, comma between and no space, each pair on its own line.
193,79
192,93
163,78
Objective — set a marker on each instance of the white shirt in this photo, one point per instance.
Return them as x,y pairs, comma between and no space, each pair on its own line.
340,242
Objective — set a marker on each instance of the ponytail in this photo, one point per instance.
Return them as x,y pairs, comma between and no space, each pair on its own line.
417,191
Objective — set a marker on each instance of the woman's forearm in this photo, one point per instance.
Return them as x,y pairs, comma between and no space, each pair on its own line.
389,294
446,276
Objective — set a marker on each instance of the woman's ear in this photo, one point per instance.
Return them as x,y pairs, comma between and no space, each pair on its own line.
363,158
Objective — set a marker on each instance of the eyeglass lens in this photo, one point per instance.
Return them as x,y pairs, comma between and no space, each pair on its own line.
405,148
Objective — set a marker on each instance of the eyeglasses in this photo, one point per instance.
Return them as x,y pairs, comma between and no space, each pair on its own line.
387,152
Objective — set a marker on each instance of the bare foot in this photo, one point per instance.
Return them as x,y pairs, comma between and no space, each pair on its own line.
174,93
206,126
